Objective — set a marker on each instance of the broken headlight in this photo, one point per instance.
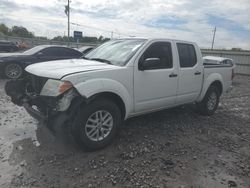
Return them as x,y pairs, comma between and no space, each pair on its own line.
54,88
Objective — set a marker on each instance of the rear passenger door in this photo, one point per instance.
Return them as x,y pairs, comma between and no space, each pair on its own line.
190,73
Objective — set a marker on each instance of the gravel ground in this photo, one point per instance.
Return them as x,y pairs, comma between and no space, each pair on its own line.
172,148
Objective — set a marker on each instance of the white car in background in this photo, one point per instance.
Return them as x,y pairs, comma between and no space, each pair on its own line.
214,60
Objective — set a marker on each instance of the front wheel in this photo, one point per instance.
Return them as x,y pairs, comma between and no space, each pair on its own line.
210,101
13,71
97,124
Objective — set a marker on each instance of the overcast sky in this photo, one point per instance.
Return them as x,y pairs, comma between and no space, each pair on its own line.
192,20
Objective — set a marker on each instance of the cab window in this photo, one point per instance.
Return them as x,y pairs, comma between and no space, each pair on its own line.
187,55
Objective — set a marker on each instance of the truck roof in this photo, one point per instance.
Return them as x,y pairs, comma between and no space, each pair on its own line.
148,38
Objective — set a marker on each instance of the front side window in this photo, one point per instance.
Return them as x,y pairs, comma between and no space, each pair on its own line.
187,55
162,51
117,52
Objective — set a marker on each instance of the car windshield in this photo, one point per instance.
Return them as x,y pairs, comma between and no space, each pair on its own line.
33,50
116,52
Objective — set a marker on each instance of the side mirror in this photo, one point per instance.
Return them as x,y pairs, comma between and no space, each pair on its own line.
150,63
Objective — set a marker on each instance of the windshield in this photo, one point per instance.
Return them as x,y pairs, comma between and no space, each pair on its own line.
33,50
117,52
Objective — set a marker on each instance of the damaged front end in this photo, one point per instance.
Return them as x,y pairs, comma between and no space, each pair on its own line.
47,100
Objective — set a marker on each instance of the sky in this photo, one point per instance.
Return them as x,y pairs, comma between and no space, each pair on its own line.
192,20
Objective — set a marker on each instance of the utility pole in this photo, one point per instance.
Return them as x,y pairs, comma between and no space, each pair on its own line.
112,34
68,21
67,12
213,38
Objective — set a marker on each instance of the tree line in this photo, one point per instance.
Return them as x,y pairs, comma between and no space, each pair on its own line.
20,31
16,31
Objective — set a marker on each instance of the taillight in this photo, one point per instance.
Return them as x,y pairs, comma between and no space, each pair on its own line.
233,74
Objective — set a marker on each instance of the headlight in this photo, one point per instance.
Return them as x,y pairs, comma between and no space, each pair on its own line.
54,88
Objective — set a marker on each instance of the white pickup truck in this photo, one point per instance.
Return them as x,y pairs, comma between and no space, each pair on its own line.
120,79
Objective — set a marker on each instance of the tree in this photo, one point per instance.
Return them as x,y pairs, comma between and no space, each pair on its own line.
41,38
4,29
236,49
58,38
100,38
21,32
105,40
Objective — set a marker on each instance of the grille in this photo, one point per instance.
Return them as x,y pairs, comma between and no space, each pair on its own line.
37,83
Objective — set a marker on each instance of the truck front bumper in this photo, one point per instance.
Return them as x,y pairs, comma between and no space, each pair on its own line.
35,113
51,111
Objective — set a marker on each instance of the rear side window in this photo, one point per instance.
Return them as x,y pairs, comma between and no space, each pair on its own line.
61,52
187,55
51,51
70,52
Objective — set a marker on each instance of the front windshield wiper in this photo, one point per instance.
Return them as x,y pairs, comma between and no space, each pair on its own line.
102,60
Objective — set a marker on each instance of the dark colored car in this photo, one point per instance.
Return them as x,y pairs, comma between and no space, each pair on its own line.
12,65
7,46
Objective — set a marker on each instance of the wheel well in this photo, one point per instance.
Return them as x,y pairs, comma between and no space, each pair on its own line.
218,85
113,97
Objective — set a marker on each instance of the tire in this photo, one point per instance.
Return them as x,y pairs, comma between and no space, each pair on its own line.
13,71
210,102
86,129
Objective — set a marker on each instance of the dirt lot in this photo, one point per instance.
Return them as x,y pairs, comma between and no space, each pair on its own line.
172,148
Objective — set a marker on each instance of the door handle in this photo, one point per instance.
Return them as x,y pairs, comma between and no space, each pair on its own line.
197,73
173,75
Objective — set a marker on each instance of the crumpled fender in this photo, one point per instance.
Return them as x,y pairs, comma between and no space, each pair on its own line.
92,87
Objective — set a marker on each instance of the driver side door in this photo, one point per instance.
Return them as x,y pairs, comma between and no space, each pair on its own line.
156,87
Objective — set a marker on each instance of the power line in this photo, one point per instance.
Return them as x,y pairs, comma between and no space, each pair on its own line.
81,25
100,29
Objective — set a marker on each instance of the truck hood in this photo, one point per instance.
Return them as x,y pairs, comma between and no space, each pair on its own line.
60,68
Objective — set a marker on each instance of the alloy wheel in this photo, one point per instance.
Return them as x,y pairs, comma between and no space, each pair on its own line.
99,125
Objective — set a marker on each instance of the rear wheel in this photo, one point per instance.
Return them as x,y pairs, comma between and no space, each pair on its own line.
97,124
13,71
210,102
